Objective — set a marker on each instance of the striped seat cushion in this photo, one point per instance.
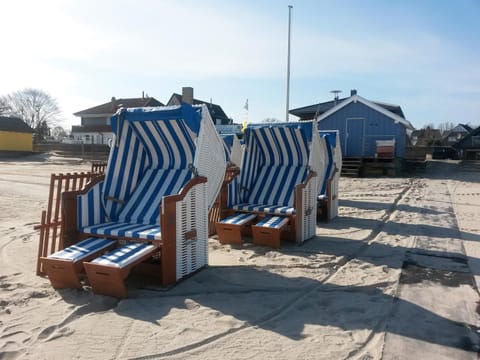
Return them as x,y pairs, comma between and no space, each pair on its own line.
125,229
238,219
82,249
124,255
268,209
143,206
273,222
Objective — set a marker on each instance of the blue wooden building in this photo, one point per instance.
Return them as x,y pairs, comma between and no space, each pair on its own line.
362,124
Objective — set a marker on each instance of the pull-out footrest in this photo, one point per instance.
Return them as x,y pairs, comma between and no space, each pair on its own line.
107,273
64,266
267,232
230,229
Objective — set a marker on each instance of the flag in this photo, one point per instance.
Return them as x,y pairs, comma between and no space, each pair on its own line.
246,105
244,125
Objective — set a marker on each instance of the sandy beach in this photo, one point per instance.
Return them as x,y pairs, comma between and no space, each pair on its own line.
395,276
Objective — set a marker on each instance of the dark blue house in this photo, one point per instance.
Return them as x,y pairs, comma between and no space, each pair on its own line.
362,124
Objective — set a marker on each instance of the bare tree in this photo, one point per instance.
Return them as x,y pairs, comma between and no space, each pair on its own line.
3,107
446,126
35,107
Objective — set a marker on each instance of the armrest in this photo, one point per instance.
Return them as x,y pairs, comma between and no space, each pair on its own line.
231,173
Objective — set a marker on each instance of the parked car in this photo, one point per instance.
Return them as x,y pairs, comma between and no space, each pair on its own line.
444,152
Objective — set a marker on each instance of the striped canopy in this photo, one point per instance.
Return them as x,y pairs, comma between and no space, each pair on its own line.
149,141
276,159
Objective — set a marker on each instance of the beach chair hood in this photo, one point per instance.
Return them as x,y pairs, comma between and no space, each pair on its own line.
177,142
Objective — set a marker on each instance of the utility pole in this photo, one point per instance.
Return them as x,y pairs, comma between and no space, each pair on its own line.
288,61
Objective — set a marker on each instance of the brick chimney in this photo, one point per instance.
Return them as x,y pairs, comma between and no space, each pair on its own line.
353,92
114,104
187,95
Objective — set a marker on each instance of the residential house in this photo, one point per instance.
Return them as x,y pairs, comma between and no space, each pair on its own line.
426,137
469,146
95,122
216,112
362,124
456,134
15,135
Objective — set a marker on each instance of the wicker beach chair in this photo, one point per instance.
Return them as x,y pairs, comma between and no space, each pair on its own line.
154,192
278,182
328,191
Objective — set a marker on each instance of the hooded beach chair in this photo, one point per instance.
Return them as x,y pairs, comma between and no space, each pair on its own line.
328,191
278,186
154,197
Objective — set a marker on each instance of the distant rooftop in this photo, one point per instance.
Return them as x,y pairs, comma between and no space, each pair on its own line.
14,124
111,107
308,112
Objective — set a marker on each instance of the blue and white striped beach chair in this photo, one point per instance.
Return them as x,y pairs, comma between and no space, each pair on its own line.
279,177
328,193
155,188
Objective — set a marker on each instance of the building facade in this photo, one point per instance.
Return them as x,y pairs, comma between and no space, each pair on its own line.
15,135
362,124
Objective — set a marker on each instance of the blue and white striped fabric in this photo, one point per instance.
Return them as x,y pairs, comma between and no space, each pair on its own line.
227,141
90,207
124,255
330,140
157,138
275,185
127,162
152,158
125,229
143,207
238,219
273,222
82,249
275,160
268,209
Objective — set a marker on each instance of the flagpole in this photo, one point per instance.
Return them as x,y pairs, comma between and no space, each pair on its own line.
288,61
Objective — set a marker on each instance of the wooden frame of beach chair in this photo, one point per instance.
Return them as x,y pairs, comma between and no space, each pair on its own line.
155,188
279,178
64,267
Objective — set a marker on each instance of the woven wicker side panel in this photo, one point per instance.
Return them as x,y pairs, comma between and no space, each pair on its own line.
309,219
192,231
210,158
318,157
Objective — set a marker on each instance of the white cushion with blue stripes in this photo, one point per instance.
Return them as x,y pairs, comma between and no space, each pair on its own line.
124,255
124,229
238,219
273,222
82,249
268,209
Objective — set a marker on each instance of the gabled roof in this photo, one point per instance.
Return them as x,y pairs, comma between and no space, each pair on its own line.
325,109
111,107
14,124
464,141
215,110
461,128
308,112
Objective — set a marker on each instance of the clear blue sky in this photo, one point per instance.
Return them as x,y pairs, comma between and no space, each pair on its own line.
421,54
